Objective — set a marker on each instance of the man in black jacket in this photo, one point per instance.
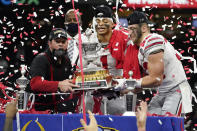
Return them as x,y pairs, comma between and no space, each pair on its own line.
49,72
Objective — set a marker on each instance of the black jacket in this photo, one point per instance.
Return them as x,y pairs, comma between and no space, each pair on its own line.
45,67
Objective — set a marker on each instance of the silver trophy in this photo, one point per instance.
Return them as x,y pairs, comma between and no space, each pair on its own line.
90,46
23,95
130,101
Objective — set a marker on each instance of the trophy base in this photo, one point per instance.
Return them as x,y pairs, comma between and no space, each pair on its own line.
92,85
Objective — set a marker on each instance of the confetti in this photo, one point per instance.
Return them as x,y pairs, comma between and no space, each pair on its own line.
110,119
160,122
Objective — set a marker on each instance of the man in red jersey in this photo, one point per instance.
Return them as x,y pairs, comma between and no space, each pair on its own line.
112,53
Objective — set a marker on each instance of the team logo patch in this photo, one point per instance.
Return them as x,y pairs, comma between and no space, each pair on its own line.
38,123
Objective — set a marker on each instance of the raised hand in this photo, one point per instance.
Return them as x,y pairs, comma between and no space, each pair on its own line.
11,109
141,116
93,124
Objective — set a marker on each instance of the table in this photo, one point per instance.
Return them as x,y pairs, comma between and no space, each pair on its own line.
70,122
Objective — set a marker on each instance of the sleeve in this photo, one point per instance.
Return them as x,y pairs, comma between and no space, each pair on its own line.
153,44
38,72
38,84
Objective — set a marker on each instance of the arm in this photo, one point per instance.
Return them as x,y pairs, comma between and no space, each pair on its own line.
38,71
141,116
10,113
155,69
40,85
155,77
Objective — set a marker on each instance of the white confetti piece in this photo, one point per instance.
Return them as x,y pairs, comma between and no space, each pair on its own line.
174,37
36,119
19,17
43,37
111,119
160,122
15,10
57,13
158,79
35,14
45,19
11,65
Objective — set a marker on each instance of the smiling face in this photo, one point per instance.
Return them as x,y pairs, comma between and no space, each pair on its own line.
104,25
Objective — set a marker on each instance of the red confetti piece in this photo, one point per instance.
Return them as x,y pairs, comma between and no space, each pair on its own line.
192,32
32,32
121,10
22,56
12,32
7,58
151,16
179,91
147,99
15,50
189,48
187,72
182,51
35,53
39,26
8,36
166,17
186,68
159,29
33,22
21,35
32,44
194,15
97,82
8,42
186,35
26,33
